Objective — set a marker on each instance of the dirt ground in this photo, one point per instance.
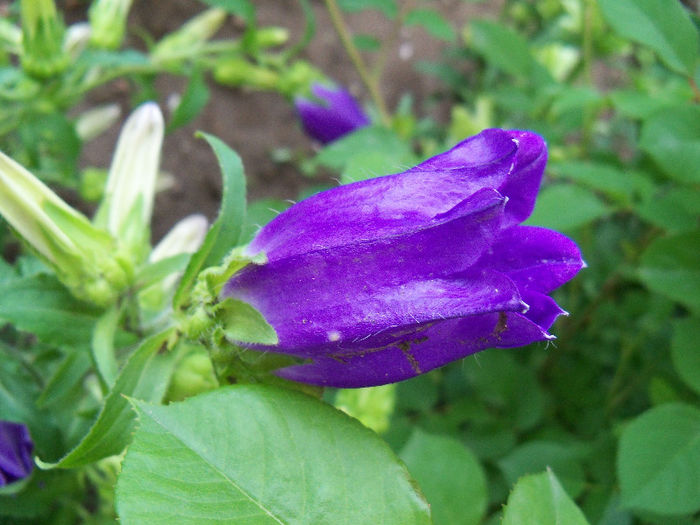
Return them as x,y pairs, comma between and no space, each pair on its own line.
254,123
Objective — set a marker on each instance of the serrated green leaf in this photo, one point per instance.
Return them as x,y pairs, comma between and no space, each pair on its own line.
449,475
662,25
670,266
566,207
144,376
685,351
659,460
227,231
672,138
41,305
433,22
244,324
540,499
264,455
193,101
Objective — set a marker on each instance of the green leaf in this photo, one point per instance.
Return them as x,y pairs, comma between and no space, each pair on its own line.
154,272
260,454
670,266
621,185
259,213
227,230
535,456
662,25
502,47
540,499
450,476
433,22
388,7
684,351
566,207
672,138
366,42
244,324
144,376
659,460
193,101
103,346
675,210
67,377
41,305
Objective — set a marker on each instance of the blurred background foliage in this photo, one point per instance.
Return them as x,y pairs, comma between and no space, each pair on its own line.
608,411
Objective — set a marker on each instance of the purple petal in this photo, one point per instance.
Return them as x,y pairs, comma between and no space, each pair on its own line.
391,205
429,347
523,183
15,452
337,114
348,292
543,310
535,258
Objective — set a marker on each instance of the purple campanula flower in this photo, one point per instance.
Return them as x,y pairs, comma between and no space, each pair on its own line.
336,114
385,279
15,452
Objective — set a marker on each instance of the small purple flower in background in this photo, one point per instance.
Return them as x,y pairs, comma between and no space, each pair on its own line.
15,452
336,113
388,278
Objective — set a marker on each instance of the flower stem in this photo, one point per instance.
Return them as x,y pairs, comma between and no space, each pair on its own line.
370,82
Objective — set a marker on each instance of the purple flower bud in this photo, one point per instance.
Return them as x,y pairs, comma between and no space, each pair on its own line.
15,452
385,279
337,113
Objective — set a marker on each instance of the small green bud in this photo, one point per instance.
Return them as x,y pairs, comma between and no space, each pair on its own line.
42,38
190,37
270,37
108,22
297,79
240,72
127,205
193,375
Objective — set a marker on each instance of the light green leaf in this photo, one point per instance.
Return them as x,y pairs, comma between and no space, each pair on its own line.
685,351
259,213
659,460
144,376
670,266
244,324
450,476
227,231
68,375
566,207
662,25
540,499
103,346
259,454
672,138
433,22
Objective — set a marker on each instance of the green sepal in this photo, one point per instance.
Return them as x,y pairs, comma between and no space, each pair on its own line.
241,322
